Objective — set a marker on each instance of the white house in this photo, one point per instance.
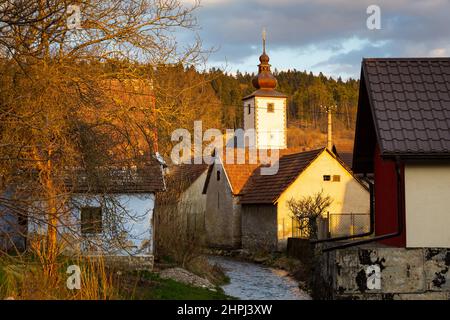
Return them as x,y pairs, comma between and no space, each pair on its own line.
111,213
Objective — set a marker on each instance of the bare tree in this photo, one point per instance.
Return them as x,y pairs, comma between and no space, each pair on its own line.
81,98
307,210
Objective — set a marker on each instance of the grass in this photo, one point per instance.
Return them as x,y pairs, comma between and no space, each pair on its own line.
25,278
149,286
130,286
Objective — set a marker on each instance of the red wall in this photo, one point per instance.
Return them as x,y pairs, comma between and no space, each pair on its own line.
386,201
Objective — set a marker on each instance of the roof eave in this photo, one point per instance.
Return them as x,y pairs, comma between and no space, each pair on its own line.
416,155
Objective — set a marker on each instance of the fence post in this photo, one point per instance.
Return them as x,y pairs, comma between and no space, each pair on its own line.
352,221
328,231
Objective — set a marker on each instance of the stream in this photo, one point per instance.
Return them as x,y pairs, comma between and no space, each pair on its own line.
250,281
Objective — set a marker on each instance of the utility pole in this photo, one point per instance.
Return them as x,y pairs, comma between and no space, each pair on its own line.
329,110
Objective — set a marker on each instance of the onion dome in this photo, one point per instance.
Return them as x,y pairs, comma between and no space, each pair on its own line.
265,79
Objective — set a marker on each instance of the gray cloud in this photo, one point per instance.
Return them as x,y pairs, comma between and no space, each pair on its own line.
409,27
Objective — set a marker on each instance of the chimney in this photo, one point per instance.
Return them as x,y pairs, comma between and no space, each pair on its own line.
329,132
329,111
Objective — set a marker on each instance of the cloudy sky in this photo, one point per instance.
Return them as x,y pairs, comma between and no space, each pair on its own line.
330,36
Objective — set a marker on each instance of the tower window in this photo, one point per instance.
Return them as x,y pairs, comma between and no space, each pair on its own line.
327,177
336,178
270,107
218,175
249,109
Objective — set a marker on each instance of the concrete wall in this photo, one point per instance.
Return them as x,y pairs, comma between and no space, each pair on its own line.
132,213
348,195
193,203
223,213
259,227
427,191
384,273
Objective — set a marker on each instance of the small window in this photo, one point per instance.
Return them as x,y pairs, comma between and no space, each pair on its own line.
91,220
326,177
218,175
336,178
270,107
249,109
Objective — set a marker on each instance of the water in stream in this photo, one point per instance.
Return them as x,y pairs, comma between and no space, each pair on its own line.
253,281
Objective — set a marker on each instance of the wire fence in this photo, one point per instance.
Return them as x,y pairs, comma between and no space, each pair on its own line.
336,225
348,224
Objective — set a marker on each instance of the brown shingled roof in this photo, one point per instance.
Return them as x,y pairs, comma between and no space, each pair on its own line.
265,93
404,108
146,179
410,100
184,175
347,157
267,188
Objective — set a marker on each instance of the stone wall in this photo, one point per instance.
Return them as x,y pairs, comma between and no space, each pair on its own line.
223,213
259,227
383,273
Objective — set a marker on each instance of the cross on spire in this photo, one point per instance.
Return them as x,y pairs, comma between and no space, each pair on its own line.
264,39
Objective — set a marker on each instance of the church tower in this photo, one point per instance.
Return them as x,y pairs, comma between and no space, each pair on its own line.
265,108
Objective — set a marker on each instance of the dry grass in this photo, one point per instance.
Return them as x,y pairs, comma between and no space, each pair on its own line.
26,278
203,268
315,138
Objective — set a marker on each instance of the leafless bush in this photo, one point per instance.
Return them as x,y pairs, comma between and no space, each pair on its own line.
307,210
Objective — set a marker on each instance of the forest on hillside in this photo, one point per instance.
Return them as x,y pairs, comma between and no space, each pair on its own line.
184,94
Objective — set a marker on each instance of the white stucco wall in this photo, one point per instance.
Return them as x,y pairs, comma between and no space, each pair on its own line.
270,127
249,118
134,216
427,192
